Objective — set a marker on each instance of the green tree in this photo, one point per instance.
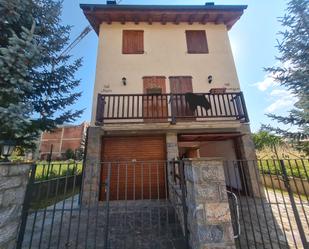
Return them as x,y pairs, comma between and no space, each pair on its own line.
293,70
69,154
264,139
37,86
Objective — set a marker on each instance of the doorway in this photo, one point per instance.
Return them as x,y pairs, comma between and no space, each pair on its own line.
179,86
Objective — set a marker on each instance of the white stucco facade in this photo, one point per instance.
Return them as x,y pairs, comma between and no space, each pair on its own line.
165,55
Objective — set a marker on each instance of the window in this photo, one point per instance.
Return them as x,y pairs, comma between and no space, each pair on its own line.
133,42
197,42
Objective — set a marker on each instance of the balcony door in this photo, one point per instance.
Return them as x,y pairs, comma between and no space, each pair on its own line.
154,103
180,85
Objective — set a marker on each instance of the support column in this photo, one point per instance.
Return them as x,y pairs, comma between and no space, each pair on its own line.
172,146
209,219
92,166
246,143
172,153
249,163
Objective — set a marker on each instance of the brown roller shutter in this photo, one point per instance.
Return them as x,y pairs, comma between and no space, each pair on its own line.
196,41
140,170
133,42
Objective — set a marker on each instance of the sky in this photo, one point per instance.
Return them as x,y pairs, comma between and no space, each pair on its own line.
253,39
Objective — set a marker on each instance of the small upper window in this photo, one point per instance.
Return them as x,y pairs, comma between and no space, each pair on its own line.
133,42
197,42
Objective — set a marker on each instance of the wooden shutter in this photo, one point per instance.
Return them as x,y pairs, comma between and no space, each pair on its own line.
133,42
196,42
155,105
181,84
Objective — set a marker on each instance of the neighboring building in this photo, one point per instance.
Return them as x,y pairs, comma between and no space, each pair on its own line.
61,139
148,58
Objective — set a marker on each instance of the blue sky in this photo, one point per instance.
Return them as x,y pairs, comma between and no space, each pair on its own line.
253,41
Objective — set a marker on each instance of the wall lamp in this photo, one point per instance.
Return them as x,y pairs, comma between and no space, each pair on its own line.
210,78
7,149
124,81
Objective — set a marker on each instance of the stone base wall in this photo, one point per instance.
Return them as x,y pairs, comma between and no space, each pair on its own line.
92,166
13,184
209,219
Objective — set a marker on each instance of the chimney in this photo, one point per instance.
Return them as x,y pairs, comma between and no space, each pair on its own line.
111,2
209,3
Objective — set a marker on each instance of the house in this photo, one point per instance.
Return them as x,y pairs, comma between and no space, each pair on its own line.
149,58
61,139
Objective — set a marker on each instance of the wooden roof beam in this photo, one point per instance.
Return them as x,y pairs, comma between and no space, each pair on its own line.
219,19
191,19
205,19
163,19
108,19
123,20
177,19
149,18
136,20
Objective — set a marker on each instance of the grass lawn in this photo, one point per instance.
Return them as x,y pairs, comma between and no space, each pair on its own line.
46,171
294,168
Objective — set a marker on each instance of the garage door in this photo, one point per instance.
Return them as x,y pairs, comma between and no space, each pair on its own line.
138,169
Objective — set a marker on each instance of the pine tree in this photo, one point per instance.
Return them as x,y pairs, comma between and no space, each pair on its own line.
293,70
36,85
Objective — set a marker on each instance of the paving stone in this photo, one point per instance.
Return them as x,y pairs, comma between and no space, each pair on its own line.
139,224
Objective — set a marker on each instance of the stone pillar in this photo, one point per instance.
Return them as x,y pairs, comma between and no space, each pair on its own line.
247,153
172,146
172,153
209,219
13,183
247,147
92,170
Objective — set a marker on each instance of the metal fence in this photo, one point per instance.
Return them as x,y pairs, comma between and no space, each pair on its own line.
133,212
269,205
272,208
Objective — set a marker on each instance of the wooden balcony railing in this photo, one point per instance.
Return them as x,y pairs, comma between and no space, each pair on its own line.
168,108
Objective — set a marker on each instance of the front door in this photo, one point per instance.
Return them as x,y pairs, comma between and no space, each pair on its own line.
180,85
155,101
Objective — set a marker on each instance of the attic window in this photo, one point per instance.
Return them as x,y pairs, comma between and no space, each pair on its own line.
196,42
133,42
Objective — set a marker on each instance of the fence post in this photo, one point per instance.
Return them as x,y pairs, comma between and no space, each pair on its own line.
25,209
293,204
107,187
172,109
183,201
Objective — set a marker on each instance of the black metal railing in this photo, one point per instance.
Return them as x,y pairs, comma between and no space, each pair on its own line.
169,107
131,207
143,205
272,202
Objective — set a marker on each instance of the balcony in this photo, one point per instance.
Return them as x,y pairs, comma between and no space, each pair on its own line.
153,108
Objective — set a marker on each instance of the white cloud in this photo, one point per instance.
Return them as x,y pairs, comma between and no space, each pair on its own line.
266,83
269,79
283,99
280,92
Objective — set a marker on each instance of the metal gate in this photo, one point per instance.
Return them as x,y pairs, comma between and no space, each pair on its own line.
269,205
133,212
271,209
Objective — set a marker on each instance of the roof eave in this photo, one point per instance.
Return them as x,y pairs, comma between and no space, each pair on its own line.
92,11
